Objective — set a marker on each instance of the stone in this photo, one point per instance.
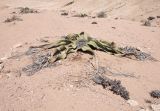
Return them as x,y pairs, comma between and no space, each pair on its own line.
155,107
64,13
132,102
151,18
94,22
147,23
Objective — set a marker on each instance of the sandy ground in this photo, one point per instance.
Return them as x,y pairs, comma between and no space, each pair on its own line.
62,88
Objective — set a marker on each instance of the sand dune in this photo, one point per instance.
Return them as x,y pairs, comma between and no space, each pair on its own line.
127,9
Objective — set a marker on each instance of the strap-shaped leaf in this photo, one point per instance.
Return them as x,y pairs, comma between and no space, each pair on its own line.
61,55
87,49
83,36
59,49
93,44
72,37
106,48
73,45
54,45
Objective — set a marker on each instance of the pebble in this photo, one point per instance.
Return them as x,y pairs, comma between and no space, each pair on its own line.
64,13
94,22
132,102
151,18
155,107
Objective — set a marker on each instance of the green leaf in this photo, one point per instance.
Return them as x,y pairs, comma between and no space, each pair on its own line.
62,55
83,36
87,49
73,45
59,50
93,44
72,37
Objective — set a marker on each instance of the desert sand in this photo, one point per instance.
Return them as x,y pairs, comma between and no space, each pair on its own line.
64,88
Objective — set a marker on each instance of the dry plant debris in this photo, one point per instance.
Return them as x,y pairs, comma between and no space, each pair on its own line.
12,19
39,61
134,53
80,15
113,85
26,10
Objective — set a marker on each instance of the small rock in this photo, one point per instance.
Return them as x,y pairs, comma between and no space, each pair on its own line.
102,14
94,22
155,94
132,102
147,23
151,18
17,45
64,13
155,107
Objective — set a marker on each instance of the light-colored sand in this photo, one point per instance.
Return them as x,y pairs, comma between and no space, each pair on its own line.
53,89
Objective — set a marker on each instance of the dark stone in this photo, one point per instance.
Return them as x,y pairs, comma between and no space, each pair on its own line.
151,18
64,13
101,15
155,94
158,16
147,23
94,22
